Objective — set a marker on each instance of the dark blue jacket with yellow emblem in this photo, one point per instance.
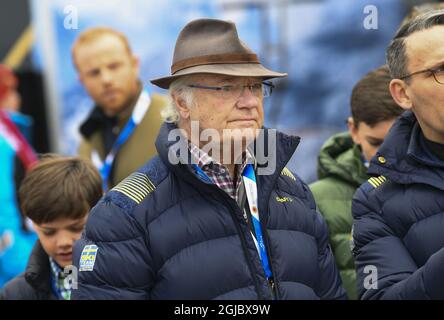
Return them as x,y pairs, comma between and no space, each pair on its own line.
398,230
166,233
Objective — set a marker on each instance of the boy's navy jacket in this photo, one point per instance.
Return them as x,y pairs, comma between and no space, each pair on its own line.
398,229
35,282
167,233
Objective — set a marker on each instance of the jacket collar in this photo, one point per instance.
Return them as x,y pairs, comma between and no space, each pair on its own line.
37,271
404,158
282,149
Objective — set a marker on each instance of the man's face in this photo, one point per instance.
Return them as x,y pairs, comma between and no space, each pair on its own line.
108,72
425,49
221,111
369,138
58,237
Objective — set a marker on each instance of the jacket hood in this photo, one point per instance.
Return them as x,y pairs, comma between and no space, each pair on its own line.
341,158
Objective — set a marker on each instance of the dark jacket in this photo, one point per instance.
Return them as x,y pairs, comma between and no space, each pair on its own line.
34,283
166,233
398,219
340,172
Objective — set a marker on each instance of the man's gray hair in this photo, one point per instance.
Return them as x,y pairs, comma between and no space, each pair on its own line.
396,56
180,88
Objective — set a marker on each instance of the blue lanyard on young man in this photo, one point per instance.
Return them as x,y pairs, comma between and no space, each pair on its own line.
137,115
249,179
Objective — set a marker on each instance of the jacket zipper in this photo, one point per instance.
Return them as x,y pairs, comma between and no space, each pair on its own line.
270,282
243,242
236,208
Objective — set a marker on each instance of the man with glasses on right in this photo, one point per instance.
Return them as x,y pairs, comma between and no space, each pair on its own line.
398,238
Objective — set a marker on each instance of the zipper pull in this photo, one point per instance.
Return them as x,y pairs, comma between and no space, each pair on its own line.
272,288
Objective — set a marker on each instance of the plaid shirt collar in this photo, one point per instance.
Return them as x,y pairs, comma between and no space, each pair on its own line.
218,173
58,280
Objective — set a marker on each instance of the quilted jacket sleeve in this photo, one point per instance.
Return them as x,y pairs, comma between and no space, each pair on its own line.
112,257
385,268
330,283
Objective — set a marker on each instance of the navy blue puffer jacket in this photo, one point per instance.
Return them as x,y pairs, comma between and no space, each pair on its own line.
398,226
165,233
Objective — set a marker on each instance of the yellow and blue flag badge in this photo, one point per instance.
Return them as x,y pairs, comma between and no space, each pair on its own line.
88,257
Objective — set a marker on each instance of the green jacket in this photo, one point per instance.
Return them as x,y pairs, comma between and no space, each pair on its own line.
340,173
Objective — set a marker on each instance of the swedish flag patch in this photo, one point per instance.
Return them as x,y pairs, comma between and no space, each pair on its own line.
136,186
88,258
377,181
288,173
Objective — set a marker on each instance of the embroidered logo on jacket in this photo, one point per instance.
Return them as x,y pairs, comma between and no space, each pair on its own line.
136,186
88,258
284,199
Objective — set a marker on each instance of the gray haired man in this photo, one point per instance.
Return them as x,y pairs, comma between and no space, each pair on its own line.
201,220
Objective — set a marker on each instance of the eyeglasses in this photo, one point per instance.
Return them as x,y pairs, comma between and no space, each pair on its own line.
438,74
263,89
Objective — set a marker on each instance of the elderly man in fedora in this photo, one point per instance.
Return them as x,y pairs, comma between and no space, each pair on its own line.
219,219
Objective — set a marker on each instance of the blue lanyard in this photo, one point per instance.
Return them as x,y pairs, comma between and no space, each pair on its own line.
249,179
251,190
136,117
202,174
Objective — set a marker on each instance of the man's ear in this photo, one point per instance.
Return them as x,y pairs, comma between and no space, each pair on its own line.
79,78
353,129
76,67
80,75
136,63
400,93
136,60
182,107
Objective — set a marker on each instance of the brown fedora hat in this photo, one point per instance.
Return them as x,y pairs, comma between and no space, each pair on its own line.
213,46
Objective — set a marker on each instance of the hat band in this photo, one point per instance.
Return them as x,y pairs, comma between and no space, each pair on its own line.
225,58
